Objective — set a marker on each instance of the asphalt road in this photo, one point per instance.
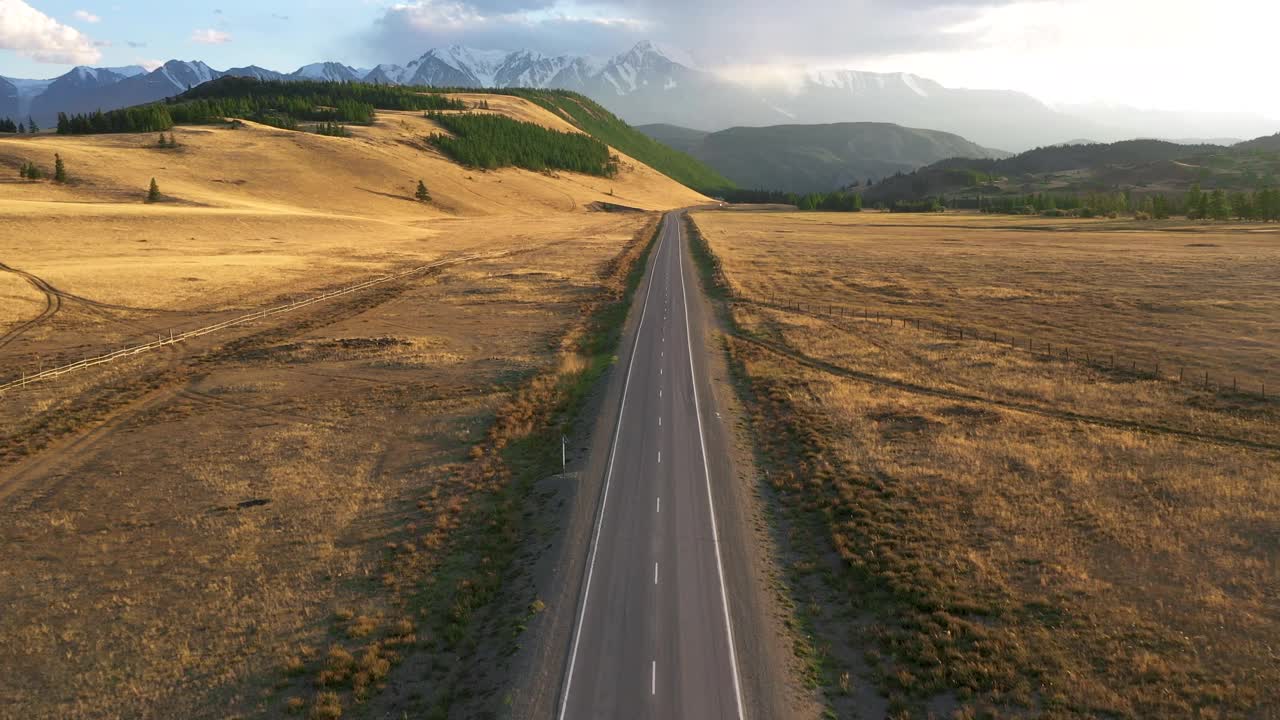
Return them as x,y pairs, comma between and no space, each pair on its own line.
653,636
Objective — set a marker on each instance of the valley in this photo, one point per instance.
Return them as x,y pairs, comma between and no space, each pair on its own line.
590,377
287,515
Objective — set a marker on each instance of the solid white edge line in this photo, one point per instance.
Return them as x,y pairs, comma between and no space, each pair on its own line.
613,451
706,473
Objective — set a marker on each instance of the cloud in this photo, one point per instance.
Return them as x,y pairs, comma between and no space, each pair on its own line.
135,44
209,36
717,32
32,33
408,29
86,16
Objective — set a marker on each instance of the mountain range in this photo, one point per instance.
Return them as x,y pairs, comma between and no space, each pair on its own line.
651,84
816,158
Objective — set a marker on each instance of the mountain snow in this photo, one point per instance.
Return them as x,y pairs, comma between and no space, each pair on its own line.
327,71
185,75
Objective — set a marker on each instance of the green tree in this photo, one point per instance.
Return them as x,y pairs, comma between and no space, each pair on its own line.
59,169
162,142
22,129
1241,205
153,194
1195,200
422,195
31,125
1219,208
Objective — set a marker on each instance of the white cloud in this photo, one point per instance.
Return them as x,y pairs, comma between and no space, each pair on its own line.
86,16
30,32
1170,54
210,36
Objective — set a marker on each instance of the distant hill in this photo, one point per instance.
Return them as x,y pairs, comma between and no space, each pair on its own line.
816,158
684,139
650,83
1143,166
1270,143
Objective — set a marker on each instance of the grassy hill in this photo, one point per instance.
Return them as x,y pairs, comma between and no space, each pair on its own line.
816,158
590,117
290,105
1142,167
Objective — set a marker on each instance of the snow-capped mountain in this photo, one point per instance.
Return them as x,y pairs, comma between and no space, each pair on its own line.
329,72
867,83
257,72
650,84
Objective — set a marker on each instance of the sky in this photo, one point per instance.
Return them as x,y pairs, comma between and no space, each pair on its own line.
1165,54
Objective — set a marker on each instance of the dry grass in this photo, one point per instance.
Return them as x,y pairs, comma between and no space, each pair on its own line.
963,540
1201,296
184,529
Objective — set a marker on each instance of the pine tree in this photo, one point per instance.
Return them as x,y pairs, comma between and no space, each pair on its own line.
153,195
33,172
1219,208
1194,200
422,195
162,142
59,169
22,171
31,124
22,129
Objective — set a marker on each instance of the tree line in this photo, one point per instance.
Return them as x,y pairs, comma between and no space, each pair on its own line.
494,141
7,125
384,97
280,104
1197,204
838,201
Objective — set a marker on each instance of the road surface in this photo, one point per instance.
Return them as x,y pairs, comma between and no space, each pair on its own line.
653,636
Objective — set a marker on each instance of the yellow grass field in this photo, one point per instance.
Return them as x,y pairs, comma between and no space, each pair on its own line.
273,517
976,529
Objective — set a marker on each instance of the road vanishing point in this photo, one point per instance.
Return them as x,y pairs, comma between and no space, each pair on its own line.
653,636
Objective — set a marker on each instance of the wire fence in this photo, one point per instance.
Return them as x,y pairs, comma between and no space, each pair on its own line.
179,337
1154,368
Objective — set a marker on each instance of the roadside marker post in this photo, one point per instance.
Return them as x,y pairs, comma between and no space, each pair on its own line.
564,454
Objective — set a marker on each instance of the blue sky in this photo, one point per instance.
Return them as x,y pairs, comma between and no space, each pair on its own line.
1166,54
272,34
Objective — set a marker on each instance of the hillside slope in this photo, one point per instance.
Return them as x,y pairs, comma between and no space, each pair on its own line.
260,169
1140,166
817,158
